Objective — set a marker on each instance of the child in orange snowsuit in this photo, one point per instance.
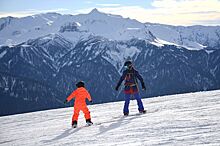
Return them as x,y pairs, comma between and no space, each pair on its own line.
80,95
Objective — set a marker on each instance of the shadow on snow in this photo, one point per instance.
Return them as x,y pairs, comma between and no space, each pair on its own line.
102,129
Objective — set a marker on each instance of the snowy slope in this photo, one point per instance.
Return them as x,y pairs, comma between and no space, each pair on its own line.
184,119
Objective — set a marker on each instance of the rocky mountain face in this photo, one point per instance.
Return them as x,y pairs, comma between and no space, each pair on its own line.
39,69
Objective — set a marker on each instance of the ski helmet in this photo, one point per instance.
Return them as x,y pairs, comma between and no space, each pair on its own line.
128,63
80,84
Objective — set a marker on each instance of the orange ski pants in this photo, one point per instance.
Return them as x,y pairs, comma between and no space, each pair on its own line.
84,109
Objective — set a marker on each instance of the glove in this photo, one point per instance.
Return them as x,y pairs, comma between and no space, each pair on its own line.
65,101
143,86
116,88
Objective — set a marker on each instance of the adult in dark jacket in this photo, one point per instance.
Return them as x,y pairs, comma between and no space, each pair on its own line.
130,75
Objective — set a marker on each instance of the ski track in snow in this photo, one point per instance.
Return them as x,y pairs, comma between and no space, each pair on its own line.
184,119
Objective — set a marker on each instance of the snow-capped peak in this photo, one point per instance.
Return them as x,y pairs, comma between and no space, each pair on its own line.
109,26
94,11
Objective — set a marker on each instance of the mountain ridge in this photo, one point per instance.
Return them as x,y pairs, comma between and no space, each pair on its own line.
75,49
110,26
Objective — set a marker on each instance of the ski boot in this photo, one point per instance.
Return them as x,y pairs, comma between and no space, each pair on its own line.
142,111
126,114
88,122
74,124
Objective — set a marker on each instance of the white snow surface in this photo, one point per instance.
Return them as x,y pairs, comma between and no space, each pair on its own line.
184,119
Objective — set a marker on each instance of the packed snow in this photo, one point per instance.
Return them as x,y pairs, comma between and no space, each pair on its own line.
184,119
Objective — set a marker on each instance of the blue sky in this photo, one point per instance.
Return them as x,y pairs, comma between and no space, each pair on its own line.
174,12
71,5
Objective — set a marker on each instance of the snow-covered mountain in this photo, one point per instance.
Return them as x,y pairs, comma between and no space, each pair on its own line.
75,27
184,119
43,56
17,30
191,37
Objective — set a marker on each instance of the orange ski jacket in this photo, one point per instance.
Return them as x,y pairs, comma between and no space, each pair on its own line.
80,95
